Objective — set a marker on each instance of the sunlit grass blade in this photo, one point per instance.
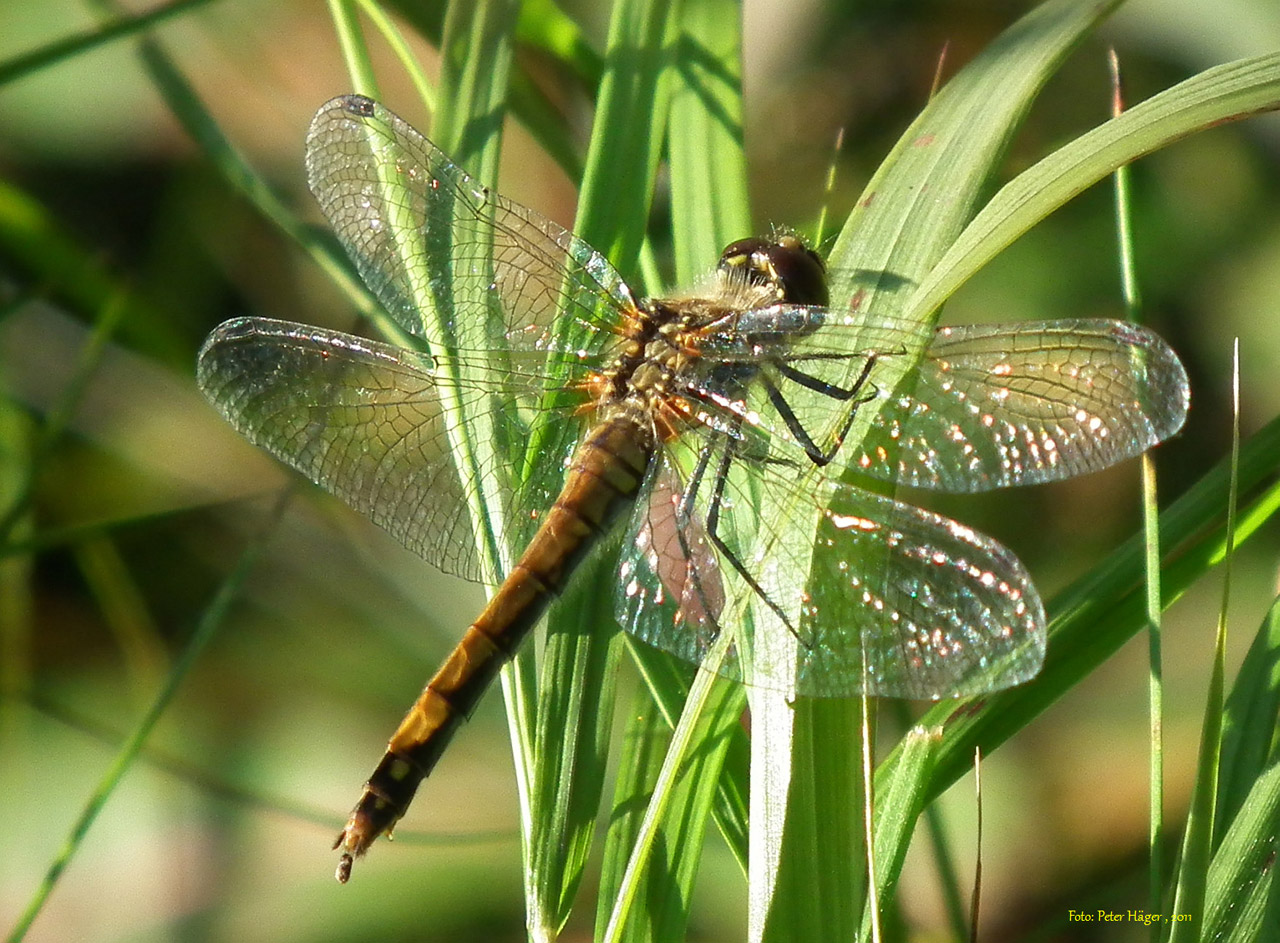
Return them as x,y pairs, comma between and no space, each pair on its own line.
1224,93
661,809
894,238
1151,536
573,729
355,53
897,810
408,62
642,746
668,683
627,135
545,26
809,813
709,209
1249,728
1242,894
709,206
887,247
1197,841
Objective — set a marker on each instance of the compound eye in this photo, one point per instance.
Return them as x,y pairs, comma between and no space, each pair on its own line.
792,269
798,271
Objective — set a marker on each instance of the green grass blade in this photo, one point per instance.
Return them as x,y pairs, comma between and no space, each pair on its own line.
897,810
1197,841
1249,729
902,226
709,206
395,39
477,49
897,232
355,53
1242,896
810,821
205,630
18,453
613,208
119,26
197,121
43,251
574,727
656,849
668,682
626,138
1151,536
544,26
1224,93
643,746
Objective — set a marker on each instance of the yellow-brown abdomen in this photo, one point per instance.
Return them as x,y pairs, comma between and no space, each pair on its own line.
605,474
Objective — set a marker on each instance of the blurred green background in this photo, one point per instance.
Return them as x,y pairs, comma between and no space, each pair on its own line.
142,505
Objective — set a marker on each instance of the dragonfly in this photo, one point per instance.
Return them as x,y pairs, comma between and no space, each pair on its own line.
731,432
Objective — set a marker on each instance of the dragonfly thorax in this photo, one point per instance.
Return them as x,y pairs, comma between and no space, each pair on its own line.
645,384
661,362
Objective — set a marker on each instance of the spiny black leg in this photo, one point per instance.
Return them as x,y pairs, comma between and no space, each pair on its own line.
713,523
817,455
822,386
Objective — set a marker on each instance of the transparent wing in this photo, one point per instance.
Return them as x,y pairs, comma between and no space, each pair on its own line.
986,407
878,597
670,591
439,250
993,406
785,377
363,420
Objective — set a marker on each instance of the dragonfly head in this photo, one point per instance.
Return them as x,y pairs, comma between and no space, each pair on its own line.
795,271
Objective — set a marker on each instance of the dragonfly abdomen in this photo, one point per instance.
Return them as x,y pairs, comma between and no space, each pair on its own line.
605,474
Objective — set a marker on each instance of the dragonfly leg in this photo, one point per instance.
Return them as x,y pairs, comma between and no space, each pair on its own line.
713,523
842,394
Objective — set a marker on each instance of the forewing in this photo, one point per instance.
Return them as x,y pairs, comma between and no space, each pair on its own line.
363,420
993,406
440,250
834,591
986,407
